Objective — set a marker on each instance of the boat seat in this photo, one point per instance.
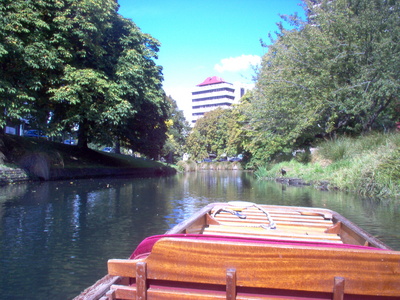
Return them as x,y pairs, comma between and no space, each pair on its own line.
185,268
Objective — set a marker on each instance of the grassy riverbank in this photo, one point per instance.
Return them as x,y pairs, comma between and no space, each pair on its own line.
368,165
45,157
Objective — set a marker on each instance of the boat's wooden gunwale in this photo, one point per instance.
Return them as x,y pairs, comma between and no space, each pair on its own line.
198,219
99,288
352,234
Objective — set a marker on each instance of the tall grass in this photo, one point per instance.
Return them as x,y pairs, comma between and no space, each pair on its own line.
187,166
368,165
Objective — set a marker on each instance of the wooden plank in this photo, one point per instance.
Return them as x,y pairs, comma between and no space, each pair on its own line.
122,267
311,234
98,289
123,292
278,267
277,216
263,219
111,294
231,284
284,210
176,294
230,219
141,280
259,226
276,238
304,229
224,230
168,293
158,292
338,288
277,223
311,211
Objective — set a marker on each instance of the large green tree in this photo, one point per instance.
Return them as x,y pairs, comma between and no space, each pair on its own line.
29,61
337,71
124,76
145,132
69,63
217,132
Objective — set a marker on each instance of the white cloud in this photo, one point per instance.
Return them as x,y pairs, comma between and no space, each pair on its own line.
234,64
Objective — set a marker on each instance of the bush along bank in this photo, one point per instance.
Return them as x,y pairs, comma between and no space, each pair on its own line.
191,166
368,165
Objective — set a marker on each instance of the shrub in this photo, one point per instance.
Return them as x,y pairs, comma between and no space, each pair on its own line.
187,166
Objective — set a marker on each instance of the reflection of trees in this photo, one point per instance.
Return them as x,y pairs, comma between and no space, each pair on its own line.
10,191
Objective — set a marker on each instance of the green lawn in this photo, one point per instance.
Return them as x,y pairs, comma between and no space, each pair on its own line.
68,156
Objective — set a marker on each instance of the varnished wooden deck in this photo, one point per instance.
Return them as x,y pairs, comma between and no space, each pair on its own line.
289,225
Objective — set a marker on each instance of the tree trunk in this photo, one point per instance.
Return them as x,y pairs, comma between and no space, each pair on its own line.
82,134
117,147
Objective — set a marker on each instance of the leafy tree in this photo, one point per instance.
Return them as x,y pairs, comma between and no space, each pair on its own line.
366,66
239,139
335,72
28,58
68,62
217,133
178,129
145,132
90,95
196,146
121,58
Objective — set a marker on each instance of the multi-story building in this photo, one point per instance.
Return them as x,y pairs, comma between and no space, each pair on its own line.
212,93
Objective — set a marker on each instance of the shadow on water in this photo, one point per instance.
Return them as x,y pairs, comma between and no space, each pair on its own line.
56,237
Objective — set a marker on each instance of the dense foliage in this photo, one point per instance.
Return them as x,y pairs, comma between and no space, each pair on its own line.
217,133
66,64
337,72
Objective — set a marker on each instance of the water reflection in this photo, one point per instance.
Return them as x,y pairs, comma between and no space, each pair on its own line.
56,237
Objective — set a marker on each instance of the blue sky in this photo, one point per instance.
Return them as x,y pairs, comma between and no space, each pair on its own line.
207,38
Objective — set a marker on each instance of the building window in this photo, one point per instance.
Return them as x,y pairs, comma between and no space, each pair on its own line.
214,90
211,105
214,98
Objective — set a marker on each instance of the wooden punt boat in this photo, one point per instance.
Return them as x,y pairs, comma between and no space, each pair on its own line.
241,250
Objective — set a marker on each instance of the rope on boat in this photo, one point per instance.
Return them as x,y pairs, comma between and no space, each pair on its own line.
271,222
231,211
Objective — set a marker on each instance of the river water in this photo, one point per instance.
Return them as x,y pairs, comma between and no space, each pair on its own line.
56,237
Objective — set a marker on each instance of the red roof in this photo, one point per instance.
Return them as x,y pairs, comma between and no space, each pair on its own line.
212,80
